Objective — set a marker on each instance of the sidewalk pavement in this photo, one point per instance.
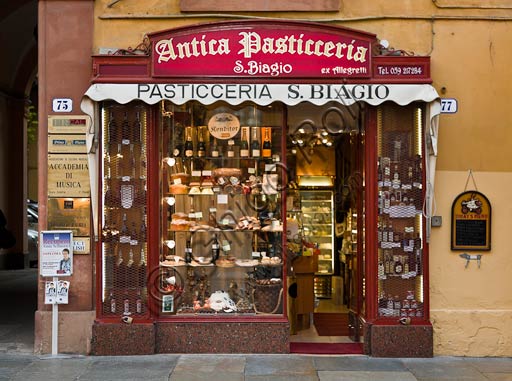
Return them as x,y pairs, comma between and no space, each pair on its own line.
250,368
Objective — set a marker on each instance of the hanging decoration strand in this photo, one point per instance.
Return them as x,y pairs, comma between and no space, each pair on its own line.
470,174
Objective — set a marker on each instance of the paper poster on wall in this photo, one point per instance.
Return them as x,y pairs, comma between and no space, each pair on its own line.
56,292
62,291
56,253
50,292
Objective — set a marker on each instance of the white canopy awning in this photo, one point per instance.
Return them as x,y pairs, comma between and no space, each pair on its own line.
264,94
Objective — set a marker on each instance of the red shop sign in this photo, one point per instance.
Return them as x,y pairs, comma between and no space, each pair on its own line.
262,50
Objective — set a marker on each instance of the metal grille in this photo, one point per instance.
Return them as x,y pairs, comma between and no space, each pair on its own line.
400,201
124,223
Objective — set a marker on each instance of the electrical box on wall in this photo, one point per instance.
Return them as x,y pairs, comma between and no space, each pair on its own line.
436,221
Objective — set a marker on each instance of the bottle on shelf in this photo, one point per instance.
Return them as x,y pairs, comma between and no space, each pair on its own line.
201,146
397,149
134,236
138,302
126,304
106,165
189,144
231,148
112,129
142,163
136,129
106,233
396,177
398,266
143,229
267,145
120,263
215,148
124,234
212,214
188,252
114,233
391,233
387,264
244,145
142,268
215,249
255,143
133,167
130,259
109,198
126,130
112,300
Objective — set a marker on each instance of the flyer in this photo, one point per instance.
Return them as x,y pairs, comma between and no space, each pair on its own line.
56,259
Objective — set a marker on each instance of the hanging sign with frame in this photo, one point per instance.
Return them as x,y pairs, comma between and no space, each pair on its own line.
471,222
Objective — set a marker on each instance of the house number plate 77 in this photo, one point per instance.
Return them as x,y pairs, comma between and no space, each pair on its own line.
448,105
62,105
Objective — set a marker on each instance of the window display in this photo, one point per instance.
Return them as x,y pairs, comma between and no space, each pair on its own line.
400,219
221,217
124,223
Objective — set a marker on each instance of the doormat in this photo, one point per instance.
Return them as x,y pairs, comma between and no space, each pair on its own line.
327,348
331,324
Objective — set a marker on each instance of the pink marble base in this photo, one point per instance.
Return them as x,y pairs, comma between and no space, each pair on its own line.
220,337
399,340
122,339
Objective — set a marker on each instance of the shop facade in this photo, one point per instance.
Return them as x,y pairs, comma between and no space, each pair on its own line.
208,147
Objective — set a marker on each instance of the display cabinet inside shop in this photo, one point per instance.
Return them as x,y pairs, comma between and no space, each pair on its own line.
221,210
400,220
124,218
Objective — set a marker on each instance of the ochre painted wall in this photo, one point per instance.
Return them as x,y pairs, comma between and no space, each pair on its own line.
471,308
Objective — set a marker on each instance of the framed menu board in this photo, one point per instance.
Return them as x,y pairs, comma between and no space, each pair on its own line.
471,222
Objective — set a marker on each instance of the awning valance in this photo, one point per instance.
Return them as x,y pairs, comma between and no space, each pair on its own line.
262,94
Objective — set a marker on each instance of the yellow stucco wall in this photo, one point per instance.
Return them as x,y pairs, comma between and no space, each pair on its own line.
469,43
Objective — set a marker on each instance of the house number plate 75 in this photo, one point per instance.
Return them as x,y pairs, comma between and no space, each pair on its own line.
62,105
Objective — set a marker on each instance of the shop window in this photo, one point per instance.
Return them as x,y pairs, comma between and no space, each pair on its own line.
259,6
124,219
400,203
221,225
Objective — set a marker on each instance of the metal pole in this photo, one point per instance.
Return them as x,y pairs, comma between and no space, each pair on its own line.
55,322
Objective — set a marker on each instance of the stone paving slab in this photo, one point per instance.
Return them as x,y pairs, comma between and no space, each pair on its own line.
209,367
279,365
443,368
490,364
358,363
498,376
352,375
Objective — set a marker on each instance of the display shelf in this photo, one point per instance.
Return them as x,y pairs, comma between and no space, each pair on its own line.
222,208
400,222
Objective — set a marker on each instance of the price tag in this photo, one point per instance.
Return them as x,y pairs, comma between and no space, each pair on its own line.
270,167
222,199
226,246
207,173
199,215
255,254
251,170
177,181
125,142
125,178
213,210
196,173
62,105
